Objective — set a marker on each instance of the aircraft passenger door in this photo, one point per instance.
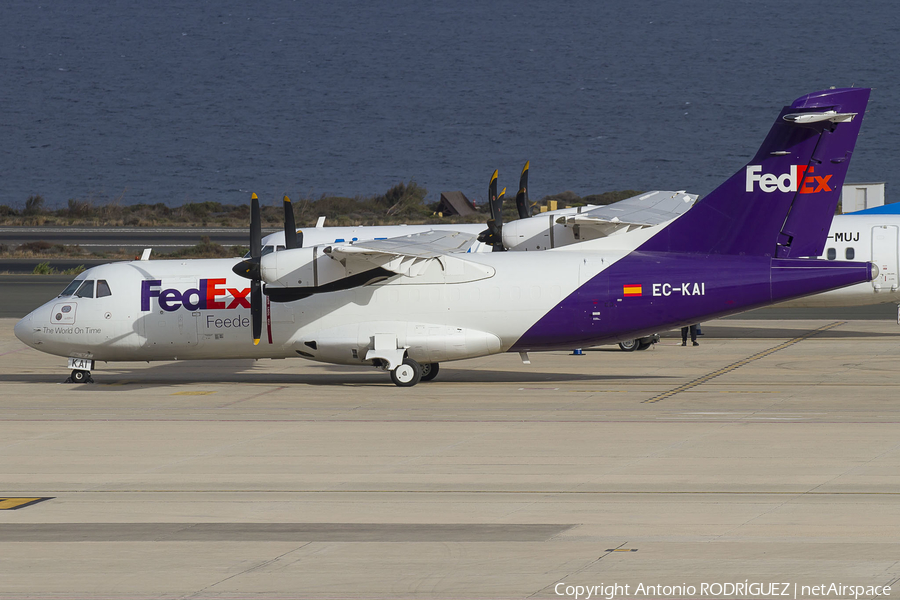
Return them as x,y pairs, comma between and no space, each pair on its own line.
885,256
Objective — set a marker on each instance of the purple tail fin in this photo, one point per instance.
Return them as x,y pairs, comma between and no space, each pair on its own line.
782,202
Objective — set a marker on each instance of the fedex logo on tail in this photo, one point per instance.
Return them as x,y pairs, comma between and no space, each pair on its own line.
199,298
799,179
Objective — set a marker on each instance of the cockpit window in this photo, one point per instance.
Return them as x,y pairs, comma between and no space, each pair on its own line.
103,289
70,289
267,250
86,290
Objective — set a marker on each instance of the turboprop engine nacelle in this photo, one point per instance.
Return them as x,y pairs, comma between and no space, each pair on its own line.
300,267
539,232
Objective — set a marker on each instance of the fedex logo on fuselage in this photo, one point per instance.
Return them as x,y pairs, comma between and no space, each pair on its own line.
202,297
800,178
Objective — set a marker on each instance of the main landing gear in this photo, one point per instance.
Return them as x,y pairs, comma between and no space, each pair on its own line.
430,371
639,343
409,373
80,376
632,345
406,374
389,356
629,345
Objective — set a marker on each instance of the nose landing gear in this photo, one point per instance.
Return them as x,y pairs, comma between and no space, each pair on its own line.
81,370
80,376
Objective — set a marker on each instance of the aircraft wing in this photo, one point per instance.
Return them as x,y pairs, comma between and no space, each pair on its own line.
406,255
636,212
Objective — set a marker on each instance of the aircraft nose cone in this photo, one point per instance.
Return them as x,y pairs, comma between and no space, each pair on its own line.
23,330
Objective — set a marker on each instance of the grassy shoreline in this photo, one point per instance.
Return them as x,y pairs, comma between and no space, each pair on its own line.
403,203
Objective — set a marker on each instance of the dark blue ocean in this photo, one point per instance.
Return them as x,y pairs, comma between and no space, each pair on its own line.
209,100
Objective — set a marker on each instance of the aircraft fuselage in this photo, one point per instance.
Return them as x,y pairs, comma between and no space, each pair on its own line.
163,310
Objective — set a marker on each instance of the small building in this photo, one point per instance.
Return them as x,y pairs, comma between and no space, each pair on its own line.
860,196
455,203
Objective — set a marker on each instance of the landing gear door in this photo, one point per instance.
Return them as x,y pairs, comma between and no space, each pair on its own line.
593,295
884,255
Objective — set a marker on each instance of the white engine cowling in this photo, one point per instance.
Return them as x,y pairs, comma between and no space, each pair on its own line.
539,232
300,267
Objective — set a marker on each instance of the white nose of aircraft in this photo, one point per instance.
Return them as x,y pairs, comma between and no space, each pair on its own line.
23,329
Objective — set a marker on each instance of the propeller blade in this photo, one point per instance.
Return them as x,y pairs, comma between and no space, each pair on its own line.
292,238
249,268
492,193
494,201
493,234
497,209
522,204
255,228
256,309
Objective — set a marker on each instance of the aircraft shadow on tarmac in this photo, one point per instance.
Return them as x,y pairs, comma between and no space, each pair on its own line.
241,371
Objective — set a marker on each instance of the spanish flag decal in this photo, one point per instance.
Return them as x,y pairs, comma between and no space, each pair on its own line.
631,290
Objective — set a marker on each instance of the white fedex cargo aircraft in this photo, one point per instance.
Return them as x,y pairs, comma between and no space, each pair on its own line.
406,304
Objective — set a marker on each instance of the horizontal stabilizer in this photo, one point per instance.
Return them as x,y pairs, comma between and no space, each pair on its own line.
815,117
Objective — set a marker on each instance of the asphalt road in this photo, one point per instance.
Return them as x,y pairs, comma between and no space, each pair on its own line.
110,239
128,238
26,266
